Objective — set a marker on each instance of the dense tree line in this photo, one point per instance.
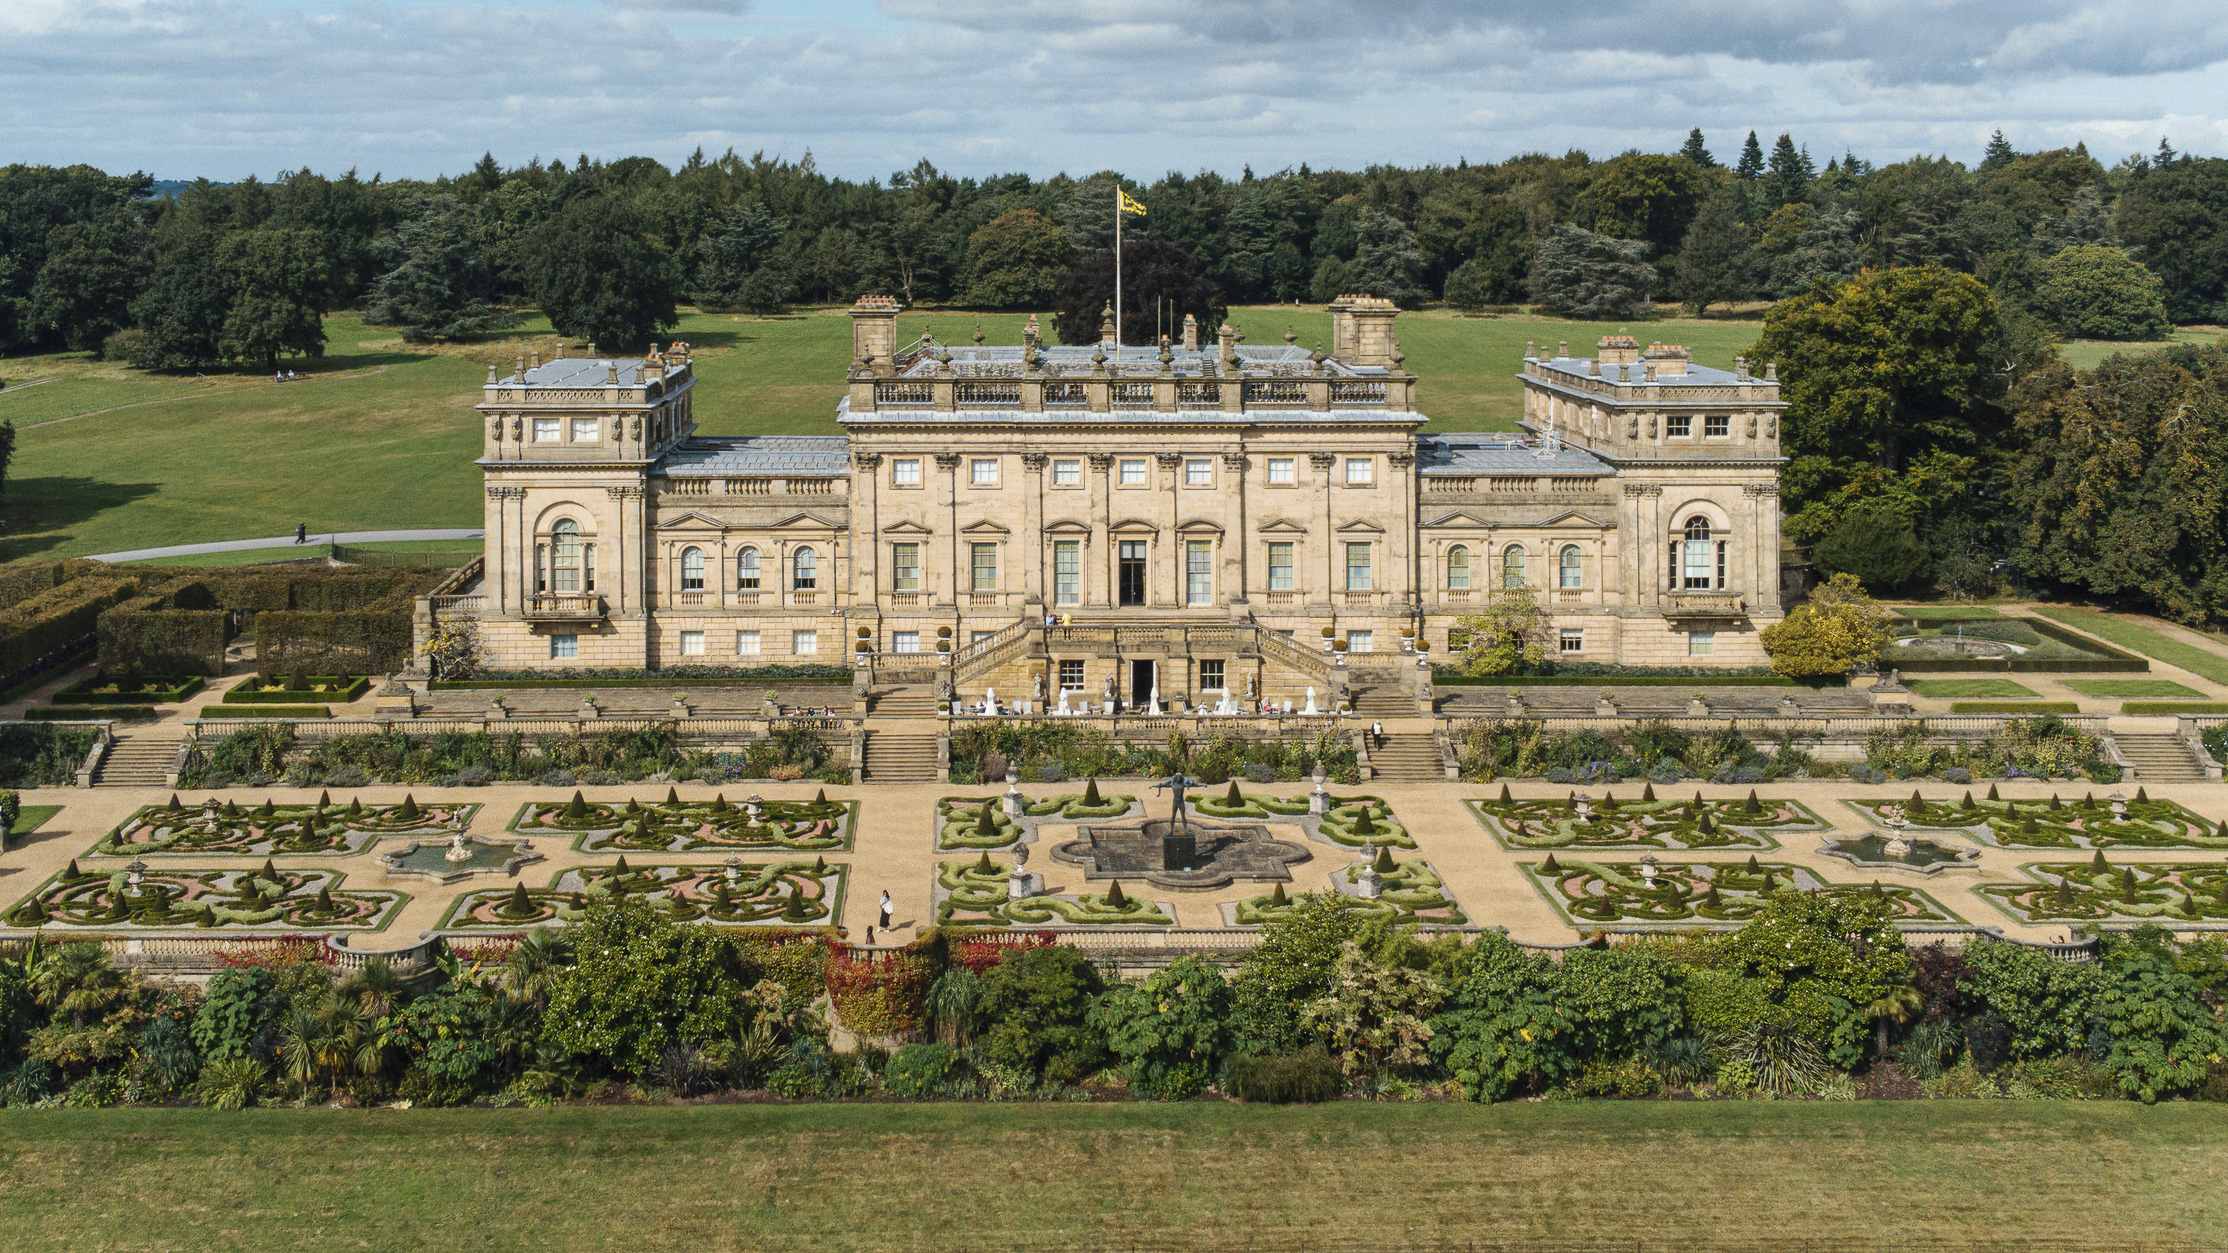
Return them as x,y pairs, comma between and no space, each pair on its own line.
238,273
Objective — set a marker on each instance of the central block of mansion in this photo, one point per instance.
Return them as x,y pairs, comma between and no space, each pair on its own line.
1189,516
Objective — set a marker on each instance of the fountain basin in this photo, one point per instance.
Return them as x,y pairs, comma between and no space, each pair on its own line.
1199,857
1872,851
432,859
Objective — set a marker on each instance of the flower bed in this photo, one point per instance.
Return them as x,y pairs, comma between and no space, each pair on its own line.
1412,892
260,831
1551,822
784,893
2100,891
204,898
973,894
2085,823
961,825
1696,894
677,826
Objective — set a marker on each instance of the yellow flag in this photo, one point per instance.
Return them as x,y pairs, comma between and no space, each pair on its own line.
1129,203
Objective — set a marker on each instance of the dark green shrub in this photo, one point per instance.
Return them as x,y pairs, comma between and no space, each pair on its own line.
1304,1078
921,1070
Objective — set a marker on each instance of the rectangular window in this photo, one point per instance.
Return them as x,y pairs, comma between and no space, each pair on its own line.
1357,567
1678,424
1280,470
1067,572
1071,675
1211,676
985,567
1280,567
1133,472
1361,641
1199,572
906,472
692,643
1717,424
977,637
1199,472
1701,643
746,643
1573,641
564,647
1697,563
804,643
905,567
583,430
546,432
905,641
983,472
1360,471
1067,473
1132,572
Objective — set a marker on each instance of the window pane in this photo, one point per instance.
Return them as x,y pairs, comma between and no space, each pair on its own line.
1133,472
1198,473
1357,568
1678,424
1512,567
1280,469
1701,643
1573,571
545,431
1211,676
985,568
1067,572
692,643
1573,641
1067,473
583,430
1361,641
1199,580
1698,563
807,567
804,643
906,472
1280,567
905,567
692,569
1071,675
983,471
905,641
746,570
746,643
1717,424
1360,470
563,646
1458,569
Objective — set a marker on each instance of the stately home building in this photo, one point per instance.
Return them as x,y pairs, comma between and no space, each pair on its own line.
1189,517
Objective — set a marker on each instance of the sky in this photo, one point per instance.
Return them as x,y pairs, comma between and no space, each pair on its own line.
417,88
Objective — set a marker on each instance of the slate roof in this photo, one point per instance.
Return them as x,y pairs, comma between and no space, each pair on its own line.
1502,454
819,455
578,372
1695,376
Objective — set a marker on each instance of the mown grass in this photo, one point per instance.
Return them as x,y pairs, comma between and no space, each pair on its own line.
876,1178
1946,613
2088,354
1985,689
255,556
2134,689
2141,639
381,434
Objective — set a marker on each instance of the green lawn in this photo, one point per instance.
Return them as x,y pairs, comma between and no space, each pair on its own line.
1945,613
380,434
2087,354
2135,689
251,556
31,817
883,1178
2141,639
1977,689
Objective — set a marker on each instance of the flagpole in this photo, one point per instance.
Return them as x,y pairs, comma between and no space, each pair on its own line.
1117,271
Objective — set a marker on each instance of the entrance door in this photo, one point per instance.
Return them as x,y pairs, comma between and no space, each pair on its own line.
1132,581
1140,682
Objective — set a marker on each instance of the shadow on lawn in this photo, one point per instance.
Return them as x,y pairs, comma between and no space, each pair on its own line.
37,511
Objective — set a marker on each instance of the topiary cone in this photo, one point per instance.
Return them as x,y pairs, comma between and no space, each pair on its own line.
1277,899
1770,885
1550,866
986,822
1648,793
2028,827
2055,806
269,872
1233,798
1091,793
1752,866
1114,897
619,869
1711,898
174,805
2142,797
794,909
1505,798
269,809
1364,825
409,808
819,865
325,901
983,865
1754,806
672,797
1384,863
1992,793
324,800
520,905
2098,864
1876,889
820,797
632,808
1967,803
576,809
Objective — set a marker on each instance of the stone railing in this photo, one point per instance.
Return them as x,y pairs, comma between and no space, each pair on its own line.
1129,388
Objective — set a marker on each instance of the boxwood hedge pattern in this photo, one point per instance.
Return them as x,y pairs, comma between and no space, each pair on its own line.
973,894
2098,891
204,898
961,826
1697,894
227,827
1413,892
1641,822
678,826
2085,823
1349,822
782,893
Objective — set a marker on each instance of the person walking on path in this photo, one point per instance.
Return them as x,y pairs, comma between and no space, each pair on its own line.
888,908
301,532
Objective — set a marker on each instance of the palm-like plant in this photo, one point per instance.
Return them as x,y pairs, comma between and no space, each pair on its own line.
376,988
305,1037
78,979
231,1083
1897,1006
535,963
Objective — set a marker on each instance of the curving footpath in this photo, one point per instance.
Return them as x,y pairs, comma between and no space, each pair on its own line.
287,541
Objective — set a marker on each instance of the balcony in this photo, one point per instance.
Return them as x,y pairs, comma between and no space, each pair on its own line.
565,607
1703,605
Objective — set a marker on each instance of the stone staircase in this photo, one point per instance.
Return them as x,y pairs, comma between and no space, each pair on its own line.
1408,757
917,701
894,758
138,759
1384,700
2160,758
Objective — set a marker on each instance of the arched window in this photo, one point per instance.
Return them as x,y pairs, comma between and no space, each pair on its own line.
1512,566
565,551
1458,568
806,574
1698,559
746,570
692,569
1574,574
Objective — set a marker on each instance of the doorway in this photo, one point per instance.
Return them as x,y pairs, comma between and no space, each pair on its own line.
1141,683
1132,582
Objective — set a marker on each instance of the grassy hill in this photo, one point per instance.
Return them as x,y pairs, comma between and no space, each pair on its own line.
380,434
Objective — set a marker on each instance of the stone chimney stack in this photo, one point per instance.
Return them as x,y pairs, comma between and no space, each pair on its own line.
1191,333
874,332
1371,318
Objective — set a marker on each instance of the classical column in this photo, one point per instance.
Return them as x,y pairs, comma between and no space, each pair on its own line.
1323,462
1032,529
1098,590
1646,563
947,534
1170,558
1762,565
1236,590
630,551
511,584
1403,524
866,546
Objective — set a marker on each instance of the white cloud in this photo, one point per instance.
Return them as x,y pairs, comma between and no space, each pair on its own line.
228,87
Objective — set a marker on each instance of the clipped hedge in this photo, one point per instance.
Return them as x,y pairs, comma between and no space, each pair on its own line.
2152,708
49,622
287,712
103,690
2014,707
89,713
175,628
245,695
335,621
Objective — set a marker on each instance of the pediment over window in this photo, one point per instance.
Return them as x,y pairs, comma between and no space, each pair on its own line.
906,528
1282,526
984,527
693,521
1459,518
1067,526
1200,524
1134,524
808,520
1360,526
1570,517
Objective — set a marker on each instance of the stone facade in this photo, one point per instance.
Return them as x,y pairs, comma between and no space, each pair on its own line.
1189,517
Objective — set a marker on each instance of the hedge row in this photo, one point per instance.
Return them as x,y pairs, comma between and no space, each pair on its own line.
50,621
88,691
2152,708
245,695
284,712
88,713
337,621
2014,707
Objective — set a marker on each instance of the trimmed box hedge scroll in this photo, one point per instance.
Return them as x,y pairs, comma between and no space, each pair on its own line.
1641,822
679,826
200,897
2085,823
2099,891
785,893
1697,894
261,830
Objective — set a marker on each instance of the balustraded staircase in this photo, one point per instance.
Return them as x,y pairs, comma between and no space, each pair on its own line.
141,758
1408,757
915,701
2160,758
899,758
1384,700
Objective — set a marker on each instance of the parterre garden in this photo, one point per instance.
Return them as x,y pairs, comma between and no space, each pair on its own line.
200,897
974,894
2171,893
228,828
2112,822
786,893
1642,822
1411,892
677,826
1691,894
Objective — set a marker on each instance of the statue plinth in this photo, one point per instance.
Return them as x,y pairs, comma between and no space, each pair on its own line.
1179,850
